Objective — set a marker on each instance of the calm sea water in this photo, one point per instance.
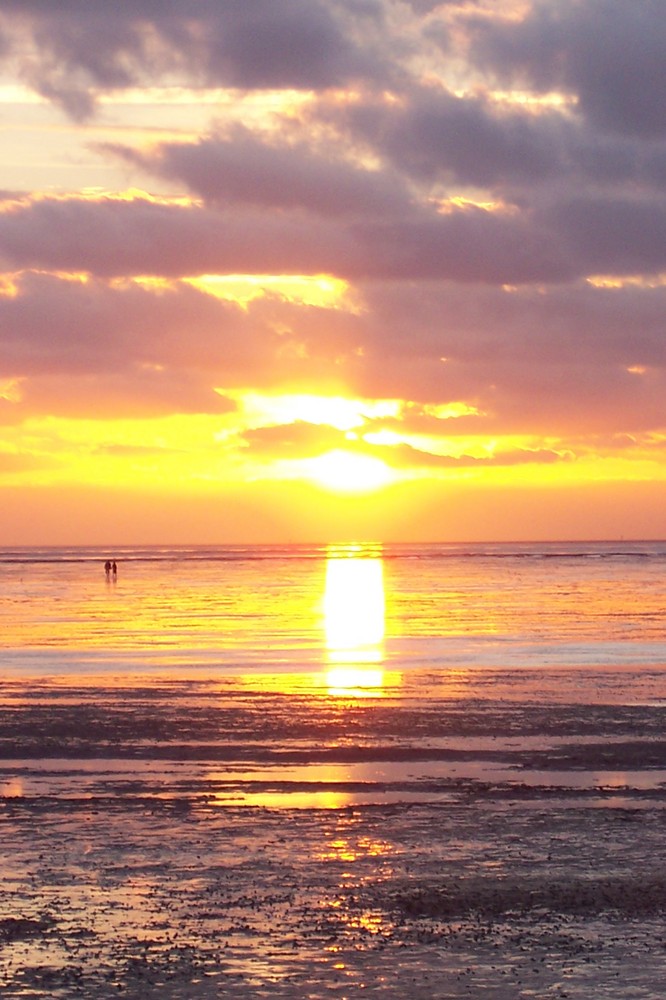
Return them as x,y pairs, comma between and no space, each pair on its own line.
423,610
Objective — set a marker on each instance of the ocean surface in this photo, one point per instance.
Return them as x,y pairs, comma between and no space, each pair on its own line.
434,771
407,609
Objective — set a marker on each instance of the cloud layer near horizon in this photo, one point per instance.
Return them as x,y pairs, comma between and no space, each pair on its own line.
488,181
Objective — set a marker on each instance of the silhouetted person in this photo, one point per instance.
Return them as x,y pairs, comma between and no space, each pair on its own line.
107,567
114,568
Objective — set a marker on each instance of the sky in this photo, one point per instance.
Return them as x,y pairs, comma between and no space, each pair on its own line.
332,270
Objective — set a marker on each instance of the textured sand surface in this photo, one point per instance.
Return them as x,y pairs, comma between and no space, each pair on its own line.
175,845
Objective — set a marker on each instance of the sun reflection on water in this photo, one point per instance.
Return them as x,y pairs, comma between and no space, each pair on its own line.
354,620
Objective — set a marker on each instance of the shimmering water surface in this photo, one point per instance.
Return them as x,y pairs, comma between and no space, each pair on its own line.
294,609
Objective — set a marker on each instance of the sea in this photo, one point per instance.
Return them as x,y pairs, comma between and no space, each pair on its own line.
423,613
337,770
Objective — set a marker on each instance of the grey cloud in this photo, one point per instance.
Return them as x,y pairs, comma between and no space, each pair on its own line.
118,237
114,237
76,324
613,235
569,399
607,53
469,244
522,398
434,136
427,6
295,43
119,351
528,359
239,168
578,324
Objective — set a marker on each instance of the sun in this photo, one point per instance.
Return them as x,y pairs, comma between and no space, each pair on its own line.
348,472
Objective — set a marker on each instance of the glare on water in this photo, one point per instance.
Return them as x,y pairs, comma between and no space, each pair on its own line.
354,608
354,616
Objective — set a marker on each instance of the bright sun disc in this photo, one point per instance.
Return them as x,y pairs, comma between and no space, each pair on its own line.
347,472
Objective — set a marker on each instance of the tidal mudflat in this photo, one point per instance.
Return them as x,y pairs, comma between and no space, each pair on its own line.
186,839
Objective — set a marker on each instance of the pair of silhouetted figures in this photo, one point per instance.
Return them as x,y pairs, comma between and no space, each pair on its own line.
110,568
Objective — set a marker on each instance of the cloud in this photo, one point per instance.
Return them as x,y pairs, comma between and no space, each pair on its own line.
89,348
299,439
240,168
300,44
560,240
546,359
302,439
608,54
135,393
541,359
519,153
619,235
433,134
114,237
407,456
68,326
579,324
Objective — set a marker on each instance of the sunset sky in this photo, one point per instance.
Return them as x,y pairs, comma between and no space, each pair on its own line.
332,269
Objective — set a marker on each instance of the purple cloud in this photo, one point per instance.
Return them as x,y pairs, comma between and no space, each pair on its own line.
608,54
302,44
240,169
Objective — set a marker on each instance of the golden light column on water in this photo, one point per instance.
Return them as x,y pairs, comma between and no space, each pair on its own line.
354,619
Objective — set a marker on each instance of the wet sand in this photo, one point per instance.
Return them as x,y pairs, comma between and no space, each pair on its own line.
188,840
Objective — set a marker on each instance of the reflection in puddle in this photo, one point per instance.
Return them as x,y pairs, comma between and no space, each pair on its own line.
313,784
12,788
347,848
